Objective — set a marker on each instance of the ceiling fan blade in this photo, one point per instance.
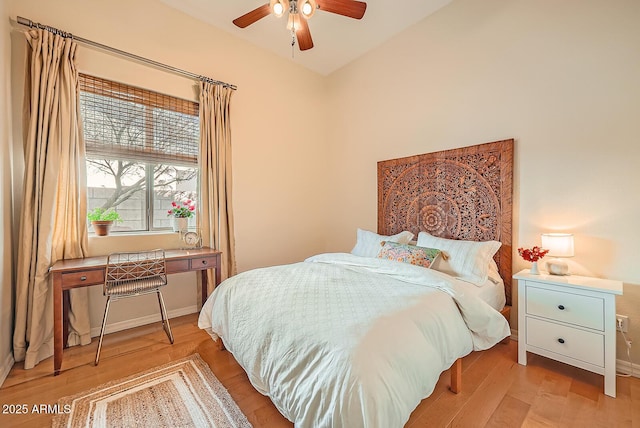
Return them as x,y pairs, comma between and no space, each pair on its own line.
351,8
304,35
253,16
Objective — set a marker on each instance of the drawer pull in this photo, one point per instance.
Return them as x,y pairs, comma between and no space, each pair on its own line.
83,278
561,340
204,262
561,307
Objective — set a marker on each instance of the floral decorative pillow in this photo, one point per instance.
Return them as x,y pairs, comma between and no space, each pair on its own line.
405,253
368,243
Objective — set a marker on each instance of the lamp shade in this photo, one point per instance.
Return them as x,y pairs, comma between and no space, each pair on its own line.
558,244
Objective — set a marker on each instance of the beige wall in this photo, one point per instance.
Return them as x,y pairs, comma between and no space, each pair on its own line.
559,77
6,291
279,159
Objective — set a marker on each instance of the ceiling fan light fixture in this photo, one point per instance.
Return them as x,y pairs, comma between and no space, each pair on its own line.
296,9
279,7
307,8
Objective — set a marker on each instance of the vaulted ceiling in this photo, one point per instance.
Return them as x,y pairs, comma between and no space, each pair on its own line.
337,40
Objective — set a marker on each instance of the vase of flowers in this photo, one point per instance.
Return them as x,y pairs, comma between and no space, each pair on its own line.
181,213
533,255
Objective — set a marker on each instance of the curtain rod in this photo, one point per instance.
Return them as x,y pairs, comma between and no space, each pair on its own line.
28,23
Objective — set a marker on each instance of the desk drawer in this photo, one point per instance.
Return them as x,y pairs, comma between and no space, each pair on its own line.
174,266
203,263
585,311
568,341
82,278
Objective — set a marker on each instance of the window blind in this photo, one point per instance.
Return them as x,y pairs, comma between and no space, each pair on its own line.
125,122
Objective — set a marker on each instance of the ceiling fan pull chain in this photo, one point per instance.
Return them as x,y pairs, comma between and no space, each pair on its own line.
293,15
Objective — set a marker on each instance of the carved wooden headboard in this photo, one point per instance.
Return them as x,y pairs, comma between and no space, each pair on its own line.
462,193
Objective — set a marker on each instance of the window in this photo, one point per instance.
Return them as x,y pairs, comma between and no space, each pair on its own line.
142,150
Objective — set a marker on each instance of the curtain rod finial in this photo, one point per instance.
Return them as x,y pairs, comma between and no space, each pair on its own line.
24,21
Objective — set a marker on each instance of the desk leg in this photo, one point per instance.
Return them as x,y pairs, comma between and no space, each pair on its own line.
57,324
66,304
204,279
218,271
205,285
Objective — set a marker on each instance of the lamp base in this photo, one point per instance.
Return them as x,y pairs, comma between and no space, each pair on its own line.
558,267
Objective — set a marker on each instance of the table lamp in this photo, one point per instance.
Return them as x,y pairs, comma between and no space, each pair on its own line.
559,245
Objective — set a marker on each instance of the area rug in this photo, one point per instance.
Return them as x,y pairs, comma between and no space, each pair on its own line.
183,393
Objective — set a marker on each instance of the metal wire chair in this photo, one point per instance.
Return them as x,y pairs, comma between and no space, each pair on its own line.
131,274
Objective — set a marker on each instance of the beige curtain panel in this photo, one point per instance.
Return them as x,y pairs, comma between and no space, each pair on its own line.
216,208
53,225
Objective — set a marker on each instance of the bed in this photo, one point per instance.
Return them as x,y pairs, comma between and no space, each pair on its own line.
360,338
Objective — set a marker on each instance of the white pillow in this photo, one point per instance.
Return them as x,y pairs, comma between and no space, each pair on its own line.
494,273
465,260
369,243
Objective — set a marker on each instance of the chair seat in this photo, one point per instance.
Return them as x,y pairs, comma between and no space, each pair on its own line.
134,286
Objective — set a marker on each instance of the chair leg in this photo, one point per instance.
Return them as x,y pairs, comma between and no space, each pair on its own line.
165,318
104,323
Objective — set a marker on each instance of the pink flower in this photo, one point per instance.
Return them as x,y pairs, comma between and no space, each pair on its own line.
184,209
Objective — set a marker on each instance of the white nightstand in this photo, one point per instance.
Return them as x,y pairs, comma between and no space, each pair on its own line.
570,319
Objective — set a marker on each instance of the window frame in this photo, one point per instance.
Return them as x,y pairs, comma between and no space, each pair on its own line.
151,144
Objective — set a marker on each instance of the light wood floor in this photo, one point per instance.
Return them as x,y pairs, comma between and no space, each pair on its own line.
496,391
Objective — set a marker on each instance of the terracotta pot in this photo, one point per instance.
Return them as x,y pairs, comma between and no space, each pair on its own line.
102,227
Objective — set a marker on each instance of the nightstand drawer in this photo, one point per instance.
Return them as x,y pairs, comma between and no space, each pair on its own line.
566,307
571,342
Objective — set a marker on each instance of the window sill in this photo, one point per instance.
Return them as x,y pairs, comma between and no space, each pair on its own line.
133,241
136,233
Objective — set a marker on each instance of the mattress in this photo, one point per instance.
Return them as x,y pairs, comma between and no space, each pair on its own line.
490,292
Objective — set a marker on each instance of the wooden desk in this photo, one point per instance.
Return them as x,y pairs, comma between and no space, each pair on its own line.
75,273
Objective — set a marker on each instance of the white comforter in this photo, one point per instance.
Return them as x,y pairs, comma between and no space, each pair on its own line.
347,341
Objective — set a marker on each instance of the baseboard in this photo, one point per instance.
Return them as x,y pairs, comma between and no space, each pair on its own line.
137,322
624,367
514,335
5,368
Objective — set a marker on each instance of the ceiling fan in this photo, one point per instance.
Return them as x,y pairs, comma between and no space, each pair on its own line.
299,12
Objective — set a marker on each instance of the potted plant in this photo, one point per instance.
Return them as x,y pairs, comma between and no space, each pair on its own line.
102,220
